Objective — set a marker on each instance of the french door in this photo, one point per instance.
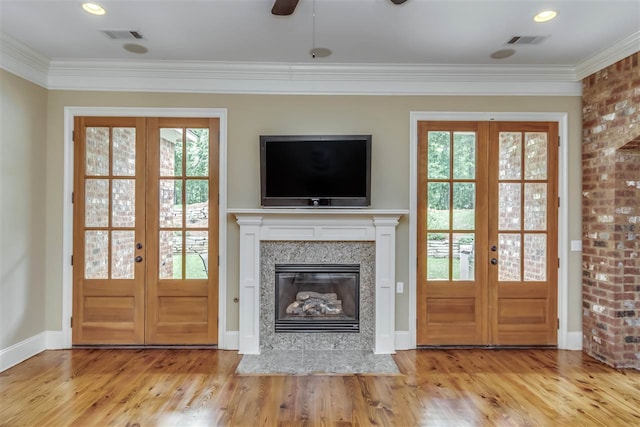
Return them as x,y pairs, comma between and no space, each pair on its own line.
145,231
487,233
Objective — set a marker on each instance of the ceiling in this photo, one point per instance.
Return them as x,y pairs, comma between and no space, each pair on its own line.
456,33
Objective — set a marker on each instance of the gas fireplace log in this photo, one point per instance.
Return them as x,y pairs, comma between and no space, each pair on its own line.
303,296
294,308
316,305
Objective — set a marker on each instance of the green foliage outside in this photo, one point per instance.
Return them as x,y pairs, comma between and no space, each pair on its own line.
439,167
197,166
438,269
464,219
195,267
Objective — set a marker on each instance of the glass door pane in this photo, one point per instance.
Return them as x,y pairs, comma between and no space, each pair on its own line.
520,211
183,203
451,174
109,202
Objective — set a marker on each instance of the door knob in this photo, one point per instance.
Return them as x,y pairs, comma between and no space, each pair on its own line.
138,258
494,261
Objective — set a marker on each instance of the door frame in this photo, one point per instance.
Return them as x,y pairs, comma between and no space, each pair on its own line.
224,341
564,341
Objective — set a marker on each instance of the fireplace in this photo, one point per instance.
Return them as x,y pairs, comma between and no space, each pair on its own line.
317,298
269,237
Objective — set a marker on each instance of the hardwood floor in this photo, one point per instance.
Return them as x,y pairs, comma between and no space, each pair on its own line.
151,387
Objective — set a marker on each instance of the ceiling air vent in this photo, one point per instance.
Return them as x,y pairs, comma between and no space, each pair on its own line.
526,39
122,34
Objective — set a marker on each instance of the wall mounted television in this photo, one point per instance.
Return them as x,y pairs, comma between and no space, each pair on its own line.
315,170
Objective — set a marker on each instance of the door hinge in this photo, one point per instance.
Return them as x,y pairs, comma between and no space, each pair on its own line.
558,323
73,197
71,322
558,201
71,259
558,262
218,260
558,140
73,136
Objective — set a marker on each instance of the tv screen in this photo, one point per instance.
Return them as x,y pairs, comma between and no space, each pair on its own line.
330,171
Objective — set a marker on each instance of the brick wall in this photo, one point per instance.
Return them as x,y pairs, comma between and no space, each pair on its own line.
611,214
167,212
122,199
522,257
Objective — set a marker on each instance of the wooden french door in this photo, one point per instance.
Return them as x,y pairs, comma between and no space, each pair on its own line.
145,233
487,233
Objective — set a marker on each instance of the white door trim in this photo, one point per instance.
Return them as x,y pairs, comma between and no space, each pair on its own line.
67,215
563,212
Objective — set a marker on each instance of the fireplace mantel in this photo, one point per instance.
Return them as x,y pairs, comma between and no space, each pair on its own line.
375,225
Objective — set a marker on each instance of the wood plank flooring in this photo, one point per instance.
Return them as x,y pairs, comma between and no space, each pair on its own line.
184,387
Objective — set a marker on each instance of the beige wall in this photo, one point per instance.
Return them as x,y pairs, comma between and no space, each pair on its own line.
23,114
385,117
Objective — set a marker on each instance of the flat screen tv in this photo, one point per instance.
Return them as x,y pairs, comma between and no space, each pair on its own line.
315,171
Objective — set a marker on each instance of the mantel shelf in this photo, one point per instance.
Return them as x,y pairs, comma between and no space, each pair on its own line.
318,212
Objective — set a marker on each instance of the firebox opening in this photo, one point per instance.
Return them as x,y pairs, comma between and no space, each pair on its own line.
317,298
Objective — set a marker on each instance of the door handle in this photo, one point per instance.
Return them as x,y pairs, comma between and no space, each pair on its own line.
494,261
138,258
493,248
138,245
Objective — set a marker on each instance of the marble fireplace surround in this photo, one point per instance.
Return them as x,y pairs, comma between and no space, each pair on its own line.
309,225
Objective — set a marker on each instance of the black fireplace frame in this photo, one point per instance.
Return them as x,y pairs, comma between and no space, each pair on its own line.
299,325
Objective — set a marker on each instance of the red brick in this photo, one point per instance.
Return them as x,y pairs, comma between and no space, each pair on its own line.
611,258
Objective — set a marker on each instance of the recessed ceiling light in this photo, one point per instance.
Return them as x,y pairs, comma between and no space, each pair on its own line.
545,15
504,53
93,8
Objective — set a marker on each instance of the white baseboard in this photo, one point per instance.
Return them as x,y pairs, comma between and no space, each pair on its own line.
11,356
23,350
402,340
574,340
231,341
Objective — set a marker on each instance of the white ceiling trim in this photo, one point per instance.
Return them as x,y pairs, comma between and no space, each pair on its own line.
615,53
282,78
23,61
275,78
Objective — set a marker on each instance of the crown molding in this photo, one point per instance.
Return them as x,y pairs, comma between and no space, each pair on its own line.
283,78
21,60
609,56
328,79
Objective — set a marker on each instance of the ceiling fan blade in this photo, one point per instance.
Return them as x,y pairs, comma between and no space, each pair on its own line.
284,7
398,1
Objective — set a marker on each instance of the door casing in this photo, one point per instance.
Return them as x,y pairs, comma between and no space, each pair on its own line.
226,340
566,340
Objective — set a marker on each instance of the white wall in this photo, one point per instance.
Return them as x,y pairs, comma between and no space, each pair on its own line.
385,117
31,178
23,114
